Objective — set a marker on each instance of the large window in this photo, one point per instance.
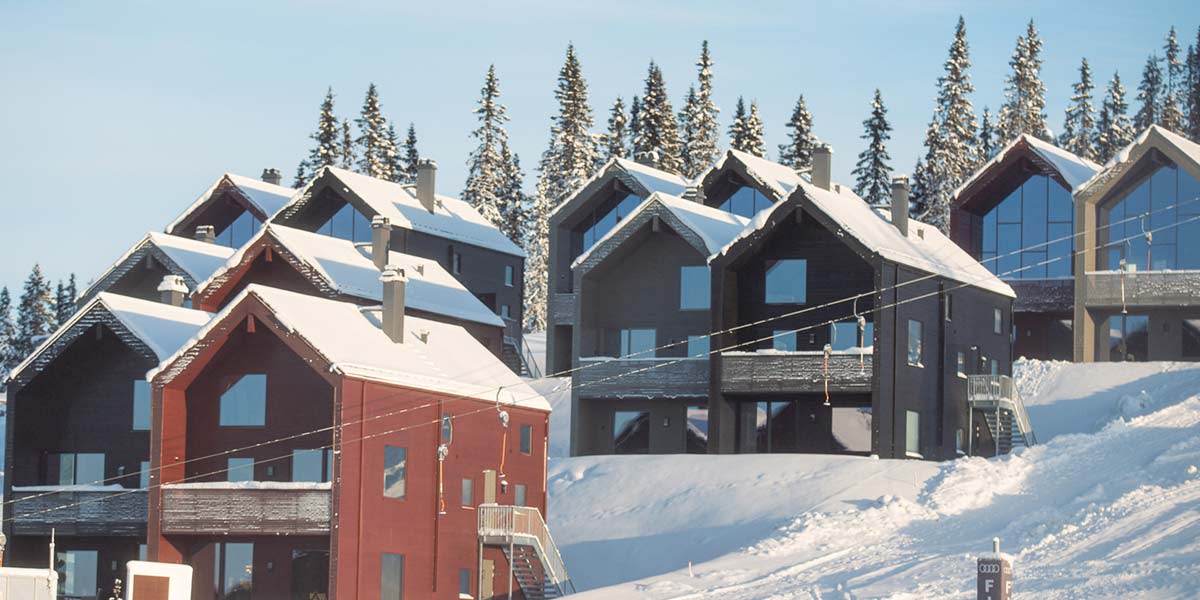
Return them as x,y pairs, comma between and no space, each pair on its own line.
693,288
1167,197
915,344
912,433
698,346
845,335
1017,233
395,472
234,577
776,426
783,340
239,231
77,571
239,469
141,405
696,429
312,465
639,343
787,281
348,224
1128,337
76,469
599,223
631,432
746,201
245,403
391,581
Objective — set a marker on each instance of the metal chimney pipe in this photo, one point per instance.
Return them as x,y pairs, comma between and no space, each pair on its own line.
381,237
426,178
394,282
900,192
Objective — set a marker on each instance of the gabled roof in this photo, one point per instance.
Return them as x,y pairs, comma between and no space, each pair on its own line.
434,356
452,218
640,179
1070,170
847,215
191,259
779,180
711,226
1176,147
159,328
346,268
265,199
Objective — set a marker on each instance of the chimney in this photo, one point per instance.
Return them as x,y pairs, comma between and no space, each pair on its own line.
394,282
206,233
426,174
694,193
172,290
381,237
822,158
272,176
900,203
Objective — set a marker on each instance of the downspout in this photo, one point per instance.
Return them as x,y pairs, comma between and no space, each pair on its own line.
896,362
362,454
437,500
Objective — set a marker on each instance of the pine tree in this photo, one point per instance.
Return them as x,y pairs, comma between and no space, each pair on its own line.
737,129
614,140
1113,128
1024,108
988,147
326,152
635,124
950,140
487,173
8,335
395,160
698,120
349,156
797,153
411,156
1192,93
1079,126
1150,95
373,143
1172,115
515,217
873,175
753,141
569,160
917,193
35,314
657,143
64,301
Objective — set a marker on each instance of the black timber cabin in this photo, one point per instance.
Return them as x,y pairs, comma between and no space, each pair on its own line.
423,223
77,445
843,328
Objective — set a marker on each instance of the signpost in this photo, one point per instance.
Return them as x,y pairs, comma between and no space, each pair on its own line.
994,575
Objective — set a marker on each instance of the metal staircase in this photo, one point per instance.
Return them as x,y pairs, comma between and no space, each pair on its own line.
519,358
996,397
532,555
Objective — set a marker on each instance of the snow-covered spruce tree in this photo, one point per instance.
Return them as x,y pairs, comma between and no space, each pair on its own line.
614,140
1150,92
411,155
569,160
1192,90
1024,108
35,314
737,129
988,144
797,152
8,334
635,125
395,160
1079,126
746,132
917,192
1114,130
950,152
1172,114
657,143
873,175
326,152
514,219
372,140
698,120
348,153
64,301
487,168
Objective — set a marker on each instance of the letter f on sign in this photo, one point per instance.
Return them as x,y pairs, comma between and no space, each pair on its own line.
987,585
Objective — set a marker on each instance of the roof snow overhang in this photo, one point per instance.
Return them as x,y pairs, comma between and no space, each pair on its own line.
1155,147
773,180
627,176
1023,158
224,190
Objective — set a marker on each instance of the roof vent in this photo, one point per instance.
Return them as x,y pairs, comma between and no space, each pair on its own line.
394,283
426,178
822,165
172,290
272,176
206,233
900,203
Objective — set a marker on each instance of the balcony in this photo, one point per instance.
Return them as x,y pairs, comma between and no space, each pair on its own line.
769,372
605,377
249,508
79,511
1142,288
1043,295
562,308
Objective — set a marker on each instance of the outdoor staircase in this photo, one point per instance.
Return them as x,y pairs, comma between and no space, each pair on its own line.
531,552
996,397
519,358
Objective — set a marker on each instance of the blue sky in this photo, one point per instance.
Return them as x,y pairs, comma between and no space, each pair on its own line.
116,115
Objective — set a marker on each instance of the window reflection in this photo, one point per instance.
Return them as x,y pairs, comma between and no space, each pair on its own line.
347,224
1141,227
746,202
1019,233
631,432
601,222
239,231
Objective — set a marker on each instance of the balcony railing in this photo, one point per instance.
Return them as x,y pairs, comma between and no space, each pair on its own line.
250,508
78,511
795,372
600,377
1142,288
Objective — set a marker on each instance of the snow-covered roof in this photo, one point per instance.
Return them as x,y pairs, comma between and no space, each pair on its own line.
1075,170
925,248
647,178
452,218
347,268
434,356
267,198
193,259
713,226
780,179
163,328
1186,147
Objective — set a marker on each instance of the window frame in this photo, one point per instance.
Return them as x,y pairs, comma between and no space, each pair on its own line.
520,495
997,321
912,434
240,467
221,418
142,405
920,341
526,439
467,493
704,300
401,467
510,276
792,301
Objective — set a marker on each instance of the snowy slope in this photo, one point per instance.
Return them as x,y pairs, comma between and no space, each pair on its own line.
1107,506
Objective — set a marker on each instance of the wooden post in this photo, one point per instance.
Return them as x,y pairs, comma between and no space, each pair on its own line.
994,575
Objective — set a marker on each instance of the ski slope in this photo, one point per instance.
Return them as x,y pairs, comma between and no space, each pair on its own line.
1107,506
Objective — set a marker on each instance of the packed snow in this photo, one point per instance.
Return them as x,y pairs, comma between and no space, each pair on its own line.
1106,506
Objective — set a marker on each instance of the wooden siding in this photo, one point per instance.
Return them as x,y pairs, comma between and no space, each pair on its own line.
80,513
794,373
649,378
245,511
